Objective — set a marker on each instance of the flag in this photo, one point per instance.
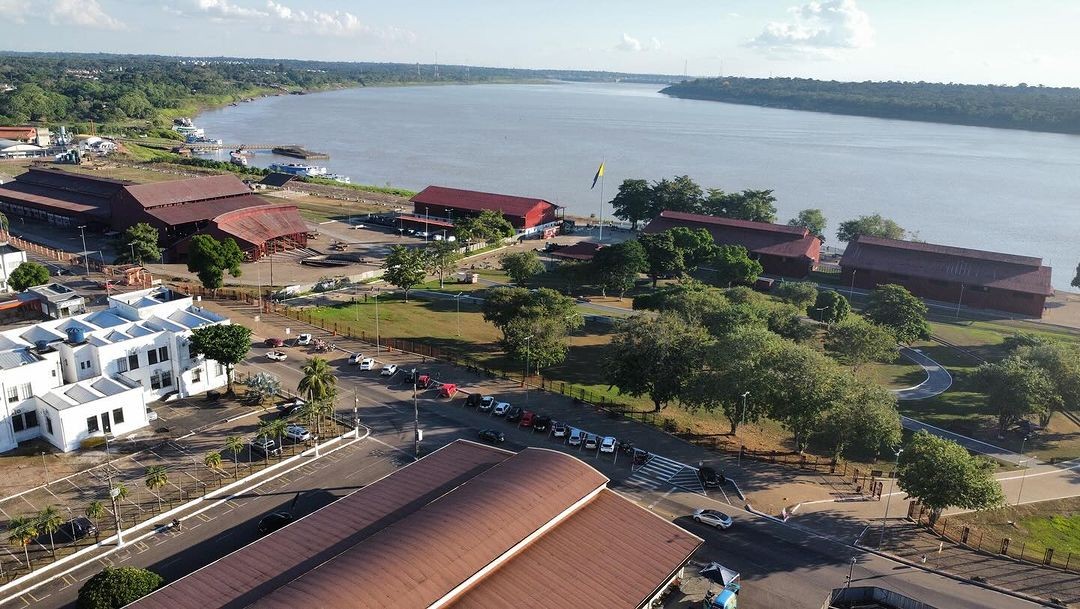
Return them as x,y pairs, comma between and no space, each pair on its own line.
599,174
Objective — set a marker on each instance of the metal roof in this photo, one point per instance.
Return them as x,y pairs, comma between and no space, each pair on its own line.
473,200
757,237
173,192
258,225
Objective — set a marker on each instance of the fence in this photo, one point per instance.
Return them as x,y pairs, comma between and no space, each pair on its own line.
40,250
990,543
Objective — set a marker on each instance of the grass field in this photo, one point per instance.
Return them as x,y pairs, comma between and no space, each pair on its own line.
1046,524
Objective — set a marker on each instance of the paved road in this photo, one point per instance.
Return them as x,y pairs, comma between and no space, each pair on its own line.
938,379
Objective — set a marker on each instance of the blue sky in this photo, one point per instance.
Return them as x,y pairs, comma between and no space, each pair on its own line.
985,41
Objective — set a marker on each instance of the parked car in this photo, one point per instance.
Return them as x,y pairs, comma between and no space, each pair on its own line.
486,404
514,414
356,358
527,418
591,442
410,376
607,445
447,390
150,415
542,423
492,436
501,409
286,408
710,478
273,342
388,369
576,437
72,530
474,399
559,430
715,518
303,339
367,363
277,356
274,521
266,446
641,457
298,433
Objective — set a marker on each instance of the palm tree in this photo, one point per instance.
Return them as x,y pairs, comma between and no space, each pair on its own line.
318,381
212,460
265,431
49,520
121,494
156,477
314,413
234,445
95,510
277,428
21,531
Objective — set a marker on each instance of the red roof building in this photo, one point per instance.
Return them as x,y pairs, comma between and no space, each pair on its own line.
26,135
441,203
973,278
60,197
789,251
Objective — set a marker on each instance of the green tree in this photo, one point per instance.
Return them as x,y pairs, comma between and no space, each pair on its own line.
142,239
812,220
520,266
654,357
751,205
235,444
871,226
226,344
1061,362
802,294
732,264
263,387
212,460
443,258
489,226
210,258
275,429
405,267
49,521
315,411
942,474
855,341
696,245
318,381
28,274
633,202
802,390
22,531
862,420
113,588
156,477
787,321
896,308
95,510
678,194
544,314
617,266
1016,388
830,307
1075,282
5,224
663,257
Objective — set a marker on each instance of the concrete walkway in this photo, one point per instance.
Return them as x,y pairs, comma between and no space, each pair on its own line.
938,380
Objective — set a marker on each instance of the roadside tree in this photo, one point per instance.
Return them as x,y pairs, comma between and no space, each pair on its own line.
872,226
1016,388
830,307
856,341
663,257
520,266
633,202
318,381
142,239
787,321
405,267
210,258
1061,361
235,444
488,226
654,357
942,474
901,311
802,294
617,266
226,344
156,477
443,258
119,587
733,265
212,460
812,220
22,531
751,205
801,390
696,246
95,511
49,520
862,420
28,274
545,315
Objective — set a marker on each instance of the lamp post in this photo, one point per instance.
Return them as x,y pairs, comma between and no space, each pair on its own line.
46,466
113,495
888,499
821,316
851,292
356,414
959,300
851,569
132,246
457,299
742,413
416,420
1022,461
376,296
426,213
1027,466
85,254
524,377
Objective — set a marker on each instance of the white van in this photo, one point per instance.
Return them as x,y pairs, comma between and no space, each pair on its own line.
576,437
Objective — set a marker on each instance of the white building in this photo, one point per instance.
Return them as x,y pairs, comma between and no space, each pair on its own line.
10,258
69,379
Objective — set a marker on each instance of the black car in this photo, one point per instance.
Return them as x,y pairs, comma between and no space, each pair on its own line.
514,414
72,530
641,457
542,423
474,400
492,436
274,521
411,376
710,477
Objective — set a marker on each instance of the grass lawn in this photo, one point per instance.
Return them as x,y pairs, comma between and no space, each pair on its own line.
1047,524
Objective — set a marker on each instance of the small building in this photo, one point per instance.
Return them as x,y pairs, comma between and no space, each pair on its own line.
10,259
10,149
968,277
467,526
20,134
582,251
528,215
277,179
55,300
77,411
788,251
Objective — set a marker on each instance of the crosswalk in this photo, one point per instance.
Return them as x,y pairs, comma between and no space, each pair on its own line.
660,471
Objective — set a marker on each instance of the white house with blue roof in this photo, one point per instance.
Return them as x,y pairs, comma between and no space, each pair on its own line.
68,379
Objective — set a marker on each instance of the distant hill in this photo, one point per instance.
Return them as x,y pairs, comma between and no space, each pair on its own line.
1034,108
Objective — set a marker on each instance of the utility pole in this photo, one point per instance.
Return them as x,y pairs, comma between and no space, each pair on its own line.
416,420
524,377
113,494
356,414
377,348
85,254
888,500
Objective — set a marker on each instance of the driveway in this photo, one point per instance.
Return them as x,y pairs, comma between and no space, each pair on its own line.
938,379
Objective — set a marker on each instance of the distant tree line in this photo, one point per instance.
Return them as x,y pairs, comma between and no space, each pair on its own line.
1035,108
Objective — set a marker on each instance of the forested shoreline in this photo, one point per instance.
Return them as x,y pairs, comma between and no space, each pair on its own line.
1032,108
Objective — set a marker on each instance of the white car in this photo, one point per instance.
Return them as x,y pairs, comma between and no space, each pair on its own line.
357,226
277,356
303,339
591,442
501,408
715,518
355,358
607,445
388,369
151,415
576,437
486,404
559,430
298,433
367,363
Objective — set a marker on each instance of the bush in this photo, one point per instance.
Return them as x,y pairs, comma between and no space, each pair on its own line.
115,588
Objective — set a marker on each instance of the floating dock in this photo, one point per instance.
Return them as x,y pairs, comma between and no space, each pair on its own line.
299,152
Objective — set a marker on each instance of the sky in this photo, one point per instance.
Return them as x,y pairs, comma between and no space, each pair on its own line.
969,41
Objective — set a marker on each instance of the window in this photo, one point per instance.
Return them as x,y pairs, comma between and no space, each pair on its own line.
163,353
92,425
118,415
23,421
26,391
31,419
17,423
12,394
133,361
220,369
151,356
122,364
48,425
196,375
155,380
166,379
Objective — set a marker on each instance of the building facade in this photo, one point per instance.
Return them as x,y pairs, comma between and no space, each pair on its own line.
69,379
10,259
527,215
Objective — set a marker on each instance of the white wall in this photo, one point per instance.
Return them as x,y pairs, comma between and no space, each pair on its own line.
42,376
70,425
8,263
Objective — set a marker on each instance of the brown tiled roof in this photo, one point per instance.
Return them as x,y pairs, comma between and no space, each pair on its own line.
252,572
582,250
258,225
947,263
196,211
625,550
478,201
758,237
18,133
182,191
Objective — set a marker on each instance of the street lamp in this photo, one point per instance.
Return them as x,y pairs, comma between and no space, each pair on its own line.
528,345
959,300
888,499
85,254
851,293
376,296
742,413
821,316
457,299
356,414
416,419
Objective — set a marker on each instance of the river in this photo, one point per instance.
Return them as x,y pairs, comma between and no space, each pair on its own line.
1002,190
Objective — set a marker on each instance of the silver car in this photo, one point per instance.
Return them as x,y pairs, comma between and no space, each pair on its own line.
715,518
298,433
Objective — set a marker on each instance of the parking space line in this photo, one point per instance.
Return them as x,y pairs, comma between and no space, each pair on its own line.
77,487
27,501
53,494
204,517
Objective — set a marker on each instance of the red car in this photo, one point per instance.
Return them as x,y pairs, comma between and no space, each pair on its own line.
447,390
527,418
273,342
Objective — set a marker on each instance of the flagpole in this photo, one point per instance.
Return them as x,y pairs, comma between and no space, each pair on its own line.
601,239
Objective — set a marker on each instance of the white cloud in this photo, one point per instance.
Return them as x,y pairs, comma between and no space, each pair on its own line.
14,11
83,13
819,28
277,15
634,45
224,8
